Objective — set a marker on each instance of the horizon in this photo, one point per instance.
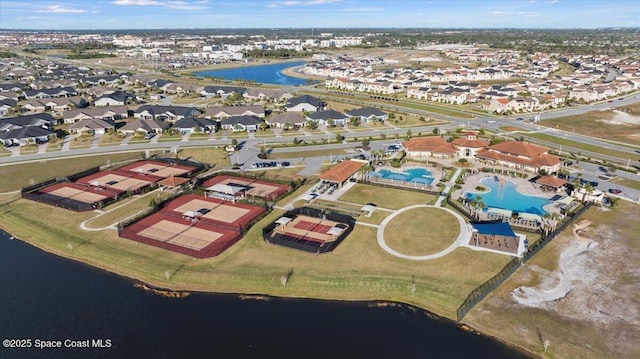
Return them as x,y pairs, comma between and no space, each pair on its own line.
110,15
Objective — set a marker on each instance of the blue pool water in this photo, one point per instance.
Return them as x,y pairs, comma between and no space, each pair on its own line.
266,74
417,175
507,197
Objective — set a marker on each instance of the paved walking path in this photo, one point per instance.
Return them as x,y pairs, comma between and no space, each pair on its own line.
463,237
443,194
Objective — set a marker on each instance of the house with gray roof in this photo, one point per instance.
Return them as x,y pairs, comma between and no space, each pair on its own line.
323,117
43,120
221,91
94,126
26,135
281,120
165,113
118,98
6,105
241,123
194,125
50,92
305,103
144,126
112,113
261,94
368,114
229,111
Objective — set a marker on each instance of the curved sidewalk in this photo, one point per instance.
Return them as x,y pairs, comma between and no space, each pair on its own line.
463,237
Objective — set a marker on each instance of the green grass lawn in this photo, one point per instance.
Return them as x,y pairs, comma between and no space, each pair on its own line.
55,145
25,174
376,217
25,150
623,156
169,138
209,155
83,141
111,139
392,198
121,210
625,182
592,124
421,231
315,153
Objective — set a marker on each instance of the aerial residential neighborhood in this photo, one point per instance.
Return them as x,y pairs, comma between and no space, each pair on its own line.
392,177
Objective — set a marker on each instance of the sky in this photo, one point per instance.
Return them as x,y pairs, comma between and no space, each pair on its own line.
185,14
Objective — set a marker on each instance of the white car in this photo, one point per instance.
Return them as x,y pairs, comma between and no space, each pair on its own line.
491,121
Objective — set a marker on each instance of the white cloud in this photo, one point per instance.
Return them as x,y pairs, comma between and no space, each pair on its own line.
362,9
554,1
136,2
169,4
301,3
59,9
514,13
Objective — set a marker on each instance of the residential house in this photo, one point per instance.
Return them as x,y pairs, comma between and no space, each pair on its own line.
182,88
418,92
165,113
286,120
221,91
430,147
194,125
521,156
304,103
13,87
6,105
94,126
323,118
33,105
26,135
144,126
118,98
43,120
262,94
112,113
368,114
50,92
241,123
229,111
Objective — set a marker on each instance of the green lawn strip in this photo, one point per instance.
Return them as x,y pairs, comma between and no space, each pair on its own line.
625,182
409,236
168,138
29,149
83,141
391,198
580,146
125,209
209,155
109,139
314,153
25,174
376,217
436,109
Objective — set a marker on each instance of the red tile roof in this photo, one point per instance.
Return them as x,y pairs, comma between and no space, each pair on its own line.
343,170
464,142
551,181
519,148
430,144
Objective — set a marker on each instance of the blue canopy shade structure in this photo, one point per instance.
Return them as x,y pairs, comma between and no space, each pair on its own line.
497,228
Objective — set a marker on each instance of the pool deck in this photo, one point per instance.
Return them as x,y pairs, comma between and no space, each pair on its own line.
522,185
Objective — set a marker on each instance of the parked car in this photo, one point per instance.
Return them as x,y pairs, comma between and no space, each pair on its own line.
491,121
614,191
286,164
519,119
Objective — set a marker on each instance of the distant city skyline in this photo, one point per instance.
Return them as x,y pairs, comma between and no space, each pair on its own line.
185,14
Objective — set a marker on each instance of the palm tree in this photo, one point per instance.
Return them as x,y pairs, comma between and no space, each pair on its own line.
476,204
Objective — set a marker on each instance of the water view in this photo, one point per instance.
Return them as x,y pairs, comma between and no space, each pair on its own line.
266,74
47,297
505,195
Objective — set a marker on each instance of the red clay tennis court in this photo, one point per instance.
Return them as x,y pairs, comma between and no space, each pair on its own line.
310,228
77,192
250,187
120,181
156,168
194,225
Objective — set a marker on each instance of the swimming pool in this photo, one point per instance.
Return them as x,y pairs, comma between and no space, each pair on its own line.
417,175
507,197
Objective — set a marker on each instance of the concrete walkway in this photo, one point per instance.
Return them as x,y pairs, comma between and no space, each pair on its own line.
443,194
463,237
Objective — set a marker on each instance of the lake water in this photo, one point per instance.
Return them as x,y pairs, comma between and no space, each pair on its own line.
266,74
46,297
